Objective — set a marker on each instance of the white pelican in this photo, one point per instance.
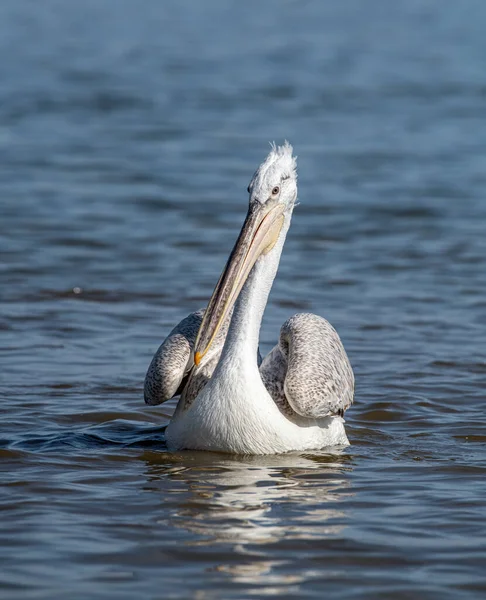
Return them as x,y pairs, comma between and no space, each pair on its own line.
230,400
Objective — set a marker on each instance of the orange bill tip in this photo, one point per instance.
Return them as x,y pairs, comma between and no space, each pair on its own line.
197,358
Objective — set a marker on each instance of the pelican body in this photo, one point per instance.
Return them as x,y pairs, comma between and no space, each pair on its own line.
230,400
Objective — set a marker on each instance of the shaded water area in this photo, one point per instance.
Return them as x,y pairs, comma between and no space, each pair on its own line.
128,134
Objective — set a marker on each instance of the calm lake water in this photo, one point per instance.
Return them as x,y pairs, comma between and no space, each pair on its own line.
128,134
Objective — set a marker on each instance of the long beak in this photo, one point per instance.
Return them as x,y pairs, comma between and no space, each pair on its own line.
258,236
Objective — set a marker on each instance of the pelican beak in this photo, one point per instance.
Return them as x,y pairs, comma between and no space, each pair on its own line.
258,236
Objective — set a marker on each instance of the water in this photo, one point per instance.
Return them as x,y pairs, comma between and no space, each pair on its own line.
128,134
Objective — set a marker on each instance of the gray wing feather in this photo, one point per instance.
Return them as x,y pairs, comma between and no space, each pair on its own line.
172,361
172,370
308,372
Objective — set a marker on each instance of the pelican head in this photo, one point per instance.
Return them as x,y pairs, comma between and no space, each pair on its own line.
273,191
275,180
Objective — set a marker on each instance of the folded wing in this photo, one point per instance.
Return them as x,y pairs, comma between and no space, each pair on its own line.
308,371
172,362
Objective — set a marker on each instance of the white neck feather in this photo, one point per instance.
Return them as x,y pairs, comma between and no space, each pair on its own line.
241,345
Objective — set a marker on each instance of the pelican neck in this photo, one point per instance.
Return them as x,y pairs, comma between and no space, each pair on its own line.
244,330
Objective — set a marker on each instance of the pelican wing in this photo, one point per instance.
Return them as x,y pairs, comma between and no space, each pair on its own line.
308,371
166,375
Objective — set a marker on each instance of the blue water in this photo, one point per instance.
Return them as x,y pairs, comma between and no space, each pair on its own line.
128,134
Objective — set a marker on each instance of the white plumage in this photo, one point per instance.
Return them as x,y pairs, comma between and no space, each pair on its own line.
296,398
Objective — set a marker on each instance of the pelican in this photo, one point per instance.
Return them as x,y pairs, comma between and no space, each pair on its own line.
230,400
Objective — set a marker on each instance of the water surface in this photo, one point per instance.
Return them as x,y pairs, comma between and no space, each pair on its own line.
128,134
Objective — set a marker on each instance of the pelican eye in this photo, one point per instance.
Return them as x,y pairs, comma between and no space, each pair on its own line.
275,191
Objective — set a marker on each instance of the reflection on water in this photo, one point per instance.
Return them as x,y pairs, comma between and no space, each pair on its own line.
244,503
235,501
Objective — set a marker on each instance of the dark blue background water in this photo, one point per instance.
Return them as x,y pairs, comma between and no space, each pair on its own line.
128,134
